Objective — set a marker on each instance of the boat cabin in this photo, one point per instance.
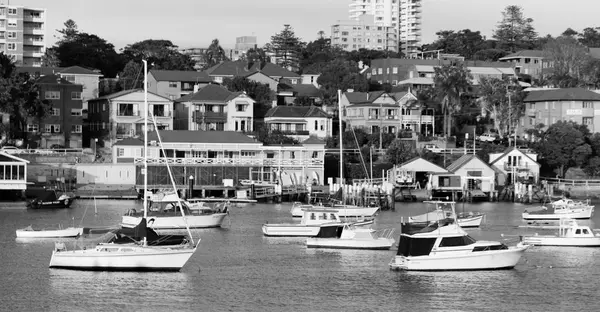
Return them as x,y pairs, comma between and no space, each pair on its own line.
570,228
312,216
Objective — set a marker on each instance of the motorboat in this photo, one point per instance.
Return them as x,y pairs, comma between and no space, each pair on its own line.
164,213
445,246
313,219
344,211
50,199
563,208
30,232
446,209
352,237
569,234
136,255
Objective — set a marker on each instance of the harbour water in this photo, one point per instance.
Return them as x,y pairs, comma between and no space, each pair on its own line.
238,269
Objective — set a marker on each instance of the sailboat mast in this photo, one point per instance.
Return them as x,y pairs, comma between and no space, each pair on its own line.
341,146
145,140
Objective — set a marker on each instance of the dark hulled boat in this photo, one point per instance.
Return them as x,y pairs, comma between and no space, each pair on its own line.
49,199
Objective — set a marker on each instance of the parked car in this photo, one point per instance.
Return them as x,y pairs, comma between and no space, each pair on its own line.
432,147
487,137
10,149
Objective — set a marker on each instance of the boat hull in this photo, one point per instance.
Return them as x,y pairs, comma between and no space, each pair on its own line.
68,232
337,243
579,214
54,204
177,222
470,222
551,240
128,258
464,221
343,212
481,260
290,230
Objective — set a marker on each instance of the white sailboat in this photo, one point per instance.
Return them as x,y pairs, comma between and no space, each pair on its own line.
129,256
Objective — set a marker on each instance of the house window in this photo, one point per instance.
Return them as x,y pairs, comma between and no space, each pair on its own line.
69,78
240,107
52,128
120,152
125,110
380,71
75,95
32,128
292,155
394,70
588,121
12,23
247,154
315,154
76,111
546,105
172,84
11,46
11,35
587,105
12,11
532,121
218,79
553,105
374,71
55,112
76,128
316,125
52,95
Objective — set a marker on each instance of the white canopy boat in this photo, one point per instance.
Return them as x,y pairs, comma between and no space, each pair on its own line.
344,211
444,209
29,232
563,208
351,237
310,225
569,234
164,214
137,255
445,246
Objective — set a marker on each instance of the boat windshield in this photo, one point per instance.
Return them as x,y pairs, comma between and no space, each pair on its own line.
412,246
457,241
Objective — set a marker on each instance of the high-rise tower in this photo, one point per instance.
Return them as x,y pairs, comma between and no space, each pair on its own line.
23,34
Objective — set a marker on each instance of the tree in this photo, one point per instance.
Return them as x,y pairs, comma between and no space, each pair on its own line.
489,55
450,82
90,51
563,146
399,152
261,93
464,42
215,54
160,54
569,58
569,32
69,33
50,59
590,37
287,47
340,75
19,98
515,31
321,34
132,76
494,99
273,137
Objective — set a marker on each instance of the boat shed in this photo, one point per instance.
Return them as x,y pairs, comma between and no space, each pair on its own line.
476,175
13,173
416,170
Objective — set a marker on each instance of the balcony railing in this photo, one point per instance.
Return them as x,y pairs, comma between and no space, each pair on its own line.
200,117
294,132
517,166
140,114
234,161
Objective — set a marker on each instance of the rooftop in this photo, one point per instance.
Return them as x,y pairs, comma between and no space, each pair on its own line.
180,75
210,93
187,136
566,94
524,53
242,68
295,112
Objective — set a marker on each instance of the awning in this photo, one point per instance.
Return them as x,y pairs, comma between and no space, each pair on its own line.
295,121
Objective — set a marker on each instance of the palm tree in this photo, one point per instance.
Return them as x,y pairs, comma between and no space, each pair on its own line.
214,54
450,82
321,34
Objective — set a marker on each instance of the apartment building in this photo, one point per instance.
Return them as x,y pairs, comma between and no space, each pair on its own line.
22,34
403,15
363,33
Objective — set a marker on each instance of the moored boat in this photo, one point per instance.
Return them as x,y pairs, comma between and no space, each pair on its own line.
344,211
563,208
351,237
310,225
50,199
29,232
569,234
445,209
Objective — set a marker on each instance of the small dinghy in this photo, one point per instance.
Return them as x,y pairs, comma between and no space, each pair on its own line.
29,232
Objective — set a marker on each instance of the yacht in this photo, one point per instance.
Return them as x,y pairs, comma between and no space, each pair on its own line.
352,237
445,246
563,208
344,211
444,209
313,219
569,234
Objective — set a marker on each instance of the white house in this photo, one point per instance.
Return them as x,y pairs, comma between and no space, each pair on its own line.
515,163
475,174
13,173
300,121
416,170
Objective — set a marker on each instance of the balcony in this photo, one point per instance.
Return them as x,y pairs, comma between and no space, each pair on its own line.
33,54
33,31
32,42
31,18
412,119
521,166
205,117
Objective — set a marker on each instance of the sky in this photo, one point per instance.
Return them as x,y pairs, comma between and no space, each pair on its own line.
194,23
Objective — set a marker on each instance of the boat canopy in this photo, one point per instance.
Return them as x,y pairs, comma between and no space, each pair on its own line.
424,227
414,247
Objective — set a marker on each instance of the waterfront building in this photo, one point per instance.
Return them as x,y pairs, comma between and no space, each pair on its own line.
231,69
415,170
121,115
216,158
515,165
402,15
363,33
569,104
300,122
174,84
215,108
63,127
477,176
23,34
13,175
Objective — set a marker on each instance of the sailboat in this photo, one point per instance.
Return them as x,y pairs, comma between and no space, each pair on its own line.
136,255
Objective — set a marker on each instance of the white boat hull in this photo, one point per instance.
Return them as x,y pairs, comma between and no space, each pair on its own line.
467,222
344,212
481,260
552,240
171,223
291,230
127,258
68,232
337,243
577,214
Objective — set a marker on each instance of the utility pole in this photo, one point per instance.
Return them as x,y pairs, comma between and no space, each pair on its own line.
380,126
